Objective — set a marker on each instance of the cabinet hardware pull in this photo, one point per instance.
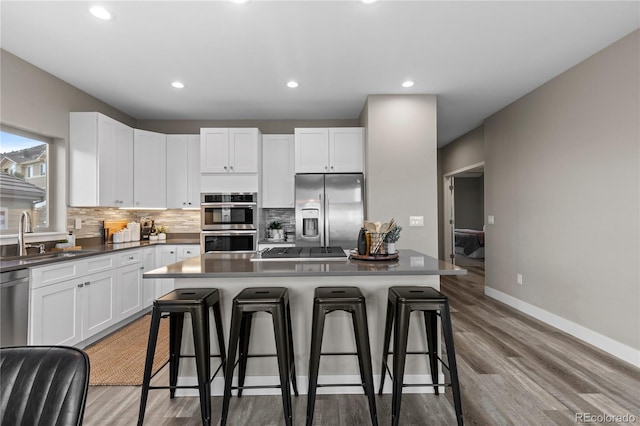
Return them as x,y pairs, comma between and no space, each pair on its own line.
130,257
141,268
87,283
80,285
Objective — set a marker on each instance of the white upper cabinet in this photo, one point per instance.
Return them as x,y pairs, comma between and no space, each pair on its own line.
229,150
332,150
278,171
150,155
100,161
183,171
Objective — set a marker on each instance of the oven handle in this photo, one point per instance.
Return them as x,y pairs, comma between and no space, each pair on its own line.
231,232
228,205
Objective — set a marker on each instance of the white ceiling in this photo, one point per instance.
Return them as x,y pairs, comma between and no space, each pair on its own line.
235,59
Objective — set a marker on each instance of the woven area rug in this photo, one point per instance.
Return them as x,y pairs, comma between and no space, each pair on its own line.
118,359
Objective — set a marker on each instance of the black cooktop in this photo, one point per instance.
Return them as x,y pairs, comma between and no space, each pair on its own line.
303,253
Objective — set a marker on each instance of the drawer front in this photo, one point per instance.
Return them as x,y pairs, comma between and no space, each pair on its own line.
188,252
129,257
51,274
100,263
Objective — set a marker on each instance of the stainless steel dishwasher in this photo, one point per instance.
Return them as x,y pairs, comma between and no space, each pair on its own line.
14,307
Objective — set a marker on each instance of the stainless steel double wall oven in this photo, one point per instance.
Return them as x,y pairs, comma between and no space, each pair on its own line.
229,222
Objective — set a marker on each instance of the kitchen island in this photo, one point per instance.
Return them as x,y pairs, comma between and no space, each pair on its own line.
230,273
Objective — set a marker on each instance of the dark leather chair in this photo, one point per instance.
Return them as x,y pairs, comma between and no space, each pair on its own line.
43,385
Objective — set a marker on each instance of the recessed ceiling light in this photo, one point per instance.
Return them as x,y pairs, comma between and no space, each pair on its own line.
101,13
408,83
178,84
292,84
368,1
240,1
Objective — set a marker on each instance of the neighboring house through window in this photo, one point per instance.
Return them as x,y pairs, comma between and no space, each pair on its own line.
21,189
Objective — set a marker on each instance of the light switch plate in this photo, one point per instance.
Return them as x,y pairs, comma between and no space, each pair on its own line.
416,220
78,223
490,219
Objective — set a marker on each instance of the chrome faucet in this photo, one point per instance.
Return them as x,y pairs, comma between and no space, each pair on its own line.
24,227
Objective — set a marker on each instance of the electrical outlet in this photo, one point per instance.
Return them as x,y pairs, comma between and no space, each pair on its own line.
78,223
519,279
491,219
416,220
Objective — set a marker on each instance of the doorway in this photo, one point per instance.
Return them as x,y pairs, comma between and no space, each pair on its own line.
464,216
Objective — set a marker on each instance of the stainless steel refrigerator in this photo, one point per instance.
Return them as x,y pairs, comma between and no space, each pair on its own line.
329,209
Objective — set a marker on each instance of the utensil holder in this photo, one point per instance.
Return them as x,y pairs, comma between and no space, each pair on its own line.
377,243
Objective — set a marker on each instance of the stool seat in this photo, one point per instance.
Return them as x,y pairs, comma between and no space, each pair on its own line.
413,294
338,295
189,296
262,295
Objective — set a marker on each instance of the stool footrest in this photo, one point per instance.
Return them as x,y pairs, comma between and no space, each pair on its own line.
338,353
257,387
415,385
333,385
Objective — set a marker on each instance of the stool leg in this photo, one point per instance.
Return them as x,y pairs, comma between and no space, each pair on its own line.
431,326
294,382
282,351
217,316
317,331
234,334
400,336
176,322
148,365
245,333
358,350
364,356
200,323
451,358
387,340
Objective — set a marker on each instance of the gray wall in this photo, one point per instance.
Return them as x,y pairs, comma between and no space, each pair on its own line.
469,202
562,177
402,165
266,126
462,153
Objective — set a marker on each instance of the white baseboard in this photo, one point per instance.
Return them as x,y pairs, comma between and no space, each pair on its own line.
615,348
217,386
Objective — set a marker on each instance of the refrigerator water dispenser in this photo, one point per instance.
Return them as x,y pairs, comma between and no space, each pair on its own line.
310,222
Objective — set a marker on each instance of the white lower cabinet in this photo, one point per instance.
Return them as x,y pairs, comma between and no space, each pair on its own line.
98,303
73,301
56,312
129,291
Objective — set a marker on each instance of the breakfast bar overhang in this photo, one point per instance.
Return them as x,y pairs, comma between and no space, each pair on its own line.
230,273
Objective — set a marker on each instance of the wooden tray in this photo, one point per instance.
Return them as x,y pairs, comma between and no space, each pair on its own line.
66,248
355,255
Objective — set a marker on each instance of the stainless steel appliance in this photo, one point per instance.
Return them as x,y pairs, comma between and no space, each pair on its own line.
14,307
329,209
237,241
224,211
229,222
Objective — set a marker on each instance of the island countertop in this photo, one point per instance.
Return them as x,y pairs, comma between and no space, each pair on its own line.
231,265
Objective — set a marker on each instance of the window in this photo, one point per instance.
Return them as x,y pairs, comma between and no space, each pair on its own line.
21,154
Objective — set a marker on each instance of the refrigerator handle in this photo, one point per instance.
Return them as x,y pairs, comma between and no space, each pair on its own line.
322,221
326,222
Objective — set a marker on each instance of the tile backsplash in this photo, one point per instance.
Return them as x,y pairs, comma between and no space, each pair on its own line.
285,216
177,221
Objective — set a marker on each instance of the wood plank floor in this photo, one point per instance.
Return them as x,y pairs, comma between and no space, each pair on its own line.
514,370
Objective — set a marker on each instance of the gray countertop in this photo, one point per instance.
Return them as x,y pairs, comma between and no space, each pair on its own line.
14,263
409,262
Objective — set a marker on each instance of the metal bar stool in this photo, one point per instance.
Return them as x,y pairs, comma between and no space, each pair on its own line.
401,302
196,302
325,301
275,301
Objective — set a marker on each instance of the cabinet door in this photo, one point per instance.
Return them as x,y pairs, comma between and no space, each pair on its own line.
193,171
278,173
148,285
311,150
150,159
98,303
346,150
124,162
129,291
55,315
214,150
243,150
165,255
108,166
183,171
